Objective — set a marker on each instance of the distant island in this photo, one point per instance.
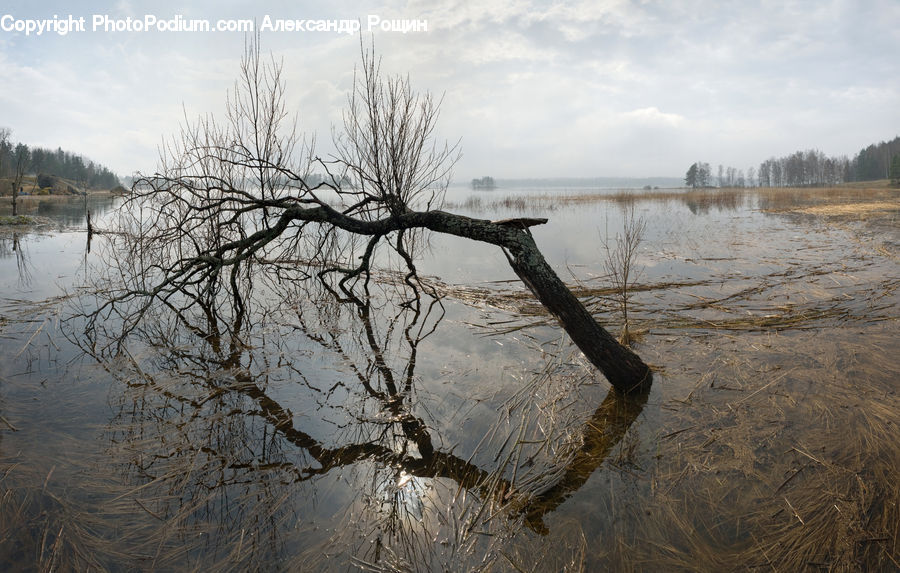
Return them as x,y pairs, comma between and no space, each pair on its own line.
485,183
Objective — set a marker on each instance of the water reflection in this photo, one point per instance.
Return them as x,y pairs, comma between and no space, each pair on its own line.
700,202
65,212
538,201
299,431
12,245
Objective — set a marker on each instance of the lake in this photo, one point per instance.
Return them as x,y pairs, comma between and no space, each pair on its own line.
463,431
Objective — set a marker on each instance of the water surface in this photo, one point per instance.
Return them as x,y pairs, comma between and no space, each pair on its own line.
305,433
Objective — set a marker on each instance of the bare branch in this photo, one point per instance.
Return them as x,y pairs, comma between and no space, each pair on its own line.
235,202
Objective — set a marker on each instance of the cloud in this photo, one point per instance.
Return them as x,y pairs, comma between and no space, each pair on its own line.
651,116
536,87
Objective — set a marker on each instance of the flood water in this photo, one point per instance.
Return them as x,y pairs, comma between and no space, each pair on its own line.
302,432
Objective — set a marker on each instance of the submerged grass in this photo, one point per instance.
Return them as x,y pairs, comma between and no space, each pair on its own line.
676,306
791,467
778,447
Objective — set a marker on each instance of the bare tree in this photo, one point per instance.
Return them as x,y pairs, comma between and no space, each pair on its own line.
5,149
21,157
239,191
620,263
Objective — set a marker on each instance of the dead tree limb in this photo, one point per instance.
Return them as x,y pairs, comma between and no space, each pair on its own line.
237,195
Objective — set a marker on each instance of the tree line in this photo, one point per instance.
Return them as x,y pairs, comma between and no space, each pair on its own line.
17,159
875,161
810,168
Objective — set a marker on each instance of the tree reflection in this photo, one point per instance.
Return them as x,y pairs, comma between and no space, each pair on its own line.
12,246
256,434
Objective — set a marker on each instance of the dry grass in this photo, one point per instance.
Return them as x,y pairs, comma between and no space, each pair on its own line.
853,209
769,199
787,468
758,304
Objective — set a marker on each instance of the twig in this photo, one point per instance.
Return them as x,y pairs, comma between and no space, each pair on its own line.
145,508
766,386
809,456
676,432
11,427
41,327
792,476
797,515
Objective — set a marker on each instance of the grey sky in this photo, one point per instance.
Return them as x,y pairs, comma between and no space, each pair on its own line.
532,89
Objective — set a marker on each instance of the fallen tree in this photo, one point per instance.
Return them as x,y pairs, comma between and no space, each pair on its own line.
240,195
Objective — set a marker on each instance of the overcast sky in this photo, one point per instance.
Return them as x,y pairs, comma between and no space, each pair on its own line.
531,89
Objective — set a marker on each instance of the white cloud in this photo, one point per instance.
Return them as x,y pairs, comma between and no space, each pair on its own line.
651,116
543,87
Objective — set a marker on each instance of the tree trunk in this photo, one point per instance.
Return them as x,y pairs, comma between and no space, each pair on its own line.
623,368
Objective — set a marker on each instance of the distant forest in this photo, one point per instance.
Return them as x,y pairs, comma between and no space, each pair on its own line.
875,161
810,168
59,163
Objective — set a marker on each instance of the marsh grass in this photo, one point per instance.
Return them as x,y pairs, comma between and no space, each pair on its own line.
755,305
820,200
789,467
18,220
783,455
